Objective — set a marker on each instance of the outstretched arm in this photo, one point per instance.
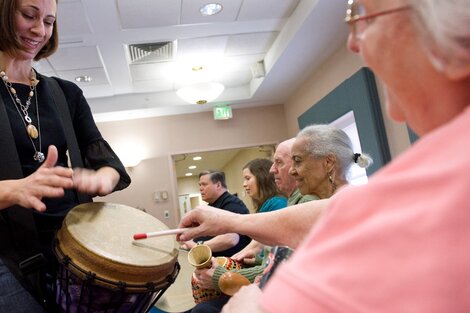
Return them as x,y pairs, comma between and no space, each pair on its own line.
288,226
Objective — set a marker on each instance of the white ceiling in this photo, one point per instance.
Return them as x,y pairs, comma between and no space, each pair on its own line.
291,37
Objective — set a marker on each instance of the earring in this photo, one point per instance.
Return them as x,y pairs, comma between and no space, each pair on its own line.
332,181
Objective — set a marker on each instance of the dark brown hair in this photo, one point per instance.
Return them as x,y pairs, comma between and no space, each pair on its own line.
215,177
264,179
9,41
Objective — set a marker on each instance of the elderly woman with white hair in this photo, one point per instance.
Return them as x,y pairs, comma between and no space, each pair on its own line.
322,156
398,243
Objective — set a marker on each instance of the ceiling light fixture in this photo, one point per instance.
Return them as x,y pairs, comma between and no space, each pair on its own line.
197,158
188,174
192,167
200,93
83,79
210,9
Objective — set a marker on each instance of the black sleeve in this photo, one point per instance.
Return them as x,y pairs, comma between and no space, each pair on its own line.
95,151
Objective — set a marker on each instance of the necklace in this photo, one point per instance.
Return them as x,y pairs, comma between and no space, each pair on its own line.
22,109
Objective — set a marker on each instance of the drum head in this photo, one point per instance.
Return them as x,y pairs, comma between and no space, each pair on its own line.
179,297
98,237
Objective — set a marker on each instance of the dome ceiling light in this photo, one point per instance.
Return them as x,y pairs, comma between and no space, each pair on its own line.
210,9
200,93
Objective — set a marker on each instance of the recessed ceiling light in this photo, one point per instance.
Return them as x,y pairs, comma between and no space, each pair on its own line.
188,174
197,158
83,79
210,9
192,167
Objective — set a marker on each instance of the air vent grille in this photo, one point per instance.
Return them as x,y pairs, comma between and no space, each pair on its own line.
151,52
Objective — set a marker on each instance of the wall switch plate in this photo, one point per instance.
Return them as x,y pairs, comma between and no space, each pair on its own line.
166,214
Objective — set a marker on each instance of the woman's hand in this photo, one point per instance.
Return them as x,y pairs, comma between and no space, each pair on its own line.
95,183
203,277
205,221
48,181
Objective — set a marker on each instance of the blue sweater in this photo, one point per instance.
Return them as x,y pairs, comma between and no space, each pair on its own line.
273,204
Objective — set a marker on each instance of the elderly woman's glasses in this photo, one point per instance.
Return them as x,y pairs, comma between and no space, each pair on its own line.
358,20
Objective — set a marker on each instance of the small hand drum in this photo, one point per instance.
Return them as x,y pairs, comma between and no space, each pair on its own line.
102,269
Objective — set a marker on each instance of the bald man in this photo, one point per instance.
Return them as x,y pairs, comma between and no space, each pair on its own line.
282,162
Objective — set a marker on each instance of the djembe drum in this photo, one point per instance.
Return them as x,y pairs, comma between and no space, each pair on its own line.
102,269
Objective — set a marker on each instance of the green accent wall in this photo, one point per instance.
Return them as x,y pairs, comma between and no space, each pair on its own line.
359,94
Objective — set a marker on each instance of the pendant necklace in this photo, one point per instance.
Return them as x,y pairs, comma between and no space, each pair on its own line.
33,132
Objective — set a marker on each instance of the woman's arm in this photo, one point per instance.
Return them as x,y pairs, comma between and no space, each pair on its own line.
287,227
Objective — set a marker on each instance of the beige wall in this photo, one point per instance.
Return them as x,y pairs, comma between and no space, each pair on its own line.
164,136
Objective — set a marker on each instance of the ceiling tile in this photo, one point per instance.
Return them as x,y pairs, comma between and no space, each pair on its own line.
262,9
148,13
201,47
75,58
72,20
235,79
156,85
98,76
151,71
254,43
190,12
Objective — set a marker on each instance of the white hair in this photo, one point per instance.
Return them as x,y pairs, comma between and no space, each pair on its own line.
445,25
323,140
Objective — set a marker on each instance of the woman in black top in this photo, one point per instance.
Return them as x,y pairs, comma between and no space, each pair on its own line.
45,125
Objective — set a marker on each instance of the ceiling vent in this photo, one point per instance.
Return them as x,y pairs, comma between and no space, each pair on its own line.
152,52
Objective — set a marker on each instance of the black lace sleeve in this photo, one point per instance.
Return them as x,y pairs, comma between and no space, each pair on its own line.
99,154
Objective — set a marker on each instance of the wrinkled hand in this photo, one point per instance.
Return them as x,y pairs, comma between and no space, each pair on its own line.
48,181
245,300
203,277
95,183
204,221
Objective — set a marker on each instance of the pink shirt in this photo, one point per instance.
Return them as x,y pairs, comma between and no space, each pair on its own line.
398,244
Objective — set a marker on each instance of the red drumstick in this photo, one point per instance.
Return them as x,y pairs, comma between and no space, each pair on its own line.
159,233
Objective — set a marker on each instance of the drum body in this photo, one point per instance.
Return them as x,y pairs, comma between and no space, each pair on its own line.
102,269
201,294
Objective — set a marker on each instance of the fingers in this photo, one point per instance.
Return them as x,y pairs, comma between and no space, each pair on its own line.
52,156
190,233
37,204
91,182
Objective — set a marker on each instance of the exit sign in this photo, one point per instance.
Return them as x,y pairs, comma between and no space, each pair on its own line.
222,112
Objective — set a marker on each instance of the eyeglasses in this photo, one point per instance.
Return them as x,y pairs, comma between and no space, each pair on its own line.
358,20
